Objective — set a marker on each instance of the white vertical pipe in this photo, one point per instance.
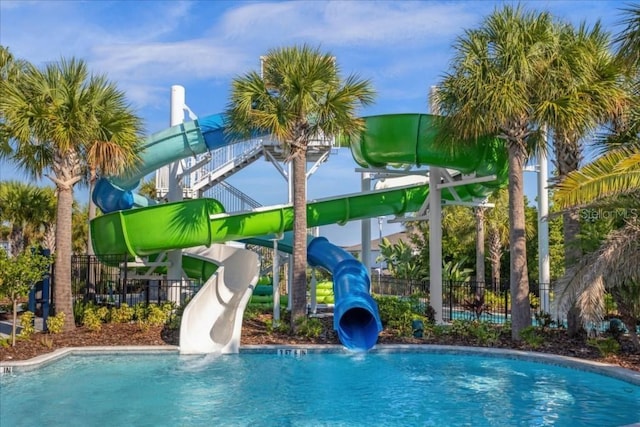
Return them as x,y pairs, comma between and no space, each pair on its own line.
435,243
544,269
174,272
366,227
275,287
314,290
290,258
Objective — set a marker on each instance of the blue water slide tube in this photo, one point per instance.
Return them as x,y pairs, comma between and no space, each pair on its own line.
159,149
355,315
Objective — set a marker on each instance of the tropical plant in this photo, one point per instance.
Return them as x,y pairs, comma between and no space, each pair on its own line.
29,211
56,115
497,224
17,277
614,178
507,79
501,80
299,96
399,258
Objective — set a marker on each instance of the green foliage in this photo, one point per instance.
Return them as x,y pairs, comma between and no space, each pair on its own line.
55,324
544,320
78,311
122,314
26,323
483,333
91,320
18,275
606,346
309,327
455,271
399,258
532,336
397,314
156,316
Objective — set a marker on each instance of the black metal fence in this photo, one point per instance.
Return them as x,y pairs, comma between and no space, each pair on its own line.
111,280
468,300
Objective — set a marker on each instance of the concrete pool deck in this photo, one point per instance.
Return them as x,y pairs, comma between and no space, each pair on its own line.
627,375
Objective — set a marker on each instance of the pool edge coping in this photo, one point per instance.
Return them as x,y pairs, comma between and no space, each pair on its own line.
601,368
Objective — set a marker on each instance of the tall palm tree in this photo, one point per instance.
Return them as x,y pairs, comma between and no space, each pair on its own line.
496,86
299,96
497,224
55,114
615,265
589,94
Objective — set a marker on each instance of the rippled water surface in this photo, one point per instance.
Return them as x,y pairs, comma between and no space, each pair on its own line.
377,389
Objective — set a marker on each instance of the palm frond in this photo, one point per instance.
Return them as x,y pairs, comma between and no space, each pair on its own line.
616,262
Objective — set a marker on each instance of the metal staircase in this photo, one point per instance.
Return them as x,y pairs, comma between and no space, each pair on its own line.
231,198
223,163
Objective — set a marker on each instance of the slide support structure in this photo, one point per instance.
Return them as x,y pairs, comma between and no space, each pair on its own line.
435,242
543,231
366,226
174,272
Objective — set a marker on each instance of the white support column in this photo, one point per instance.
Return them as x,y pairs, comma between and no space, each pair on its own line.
275,287
314,290
544,269
435,243
290,258
366,227
174,272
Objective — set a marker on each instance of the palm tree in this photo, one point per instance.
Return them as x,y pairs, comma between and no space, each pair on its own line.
498,81
497,224
114,151
589,94
55,114
10,70
299,96
615,265
30,212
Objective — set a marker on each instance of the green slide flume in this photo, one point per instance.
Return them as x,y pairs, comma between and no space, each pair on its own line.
388,140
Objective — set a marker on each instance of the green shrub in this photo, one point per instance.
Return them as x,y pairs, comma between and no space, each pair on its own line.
156,315
55,324
309,327
532,336
26,323
122,314
91,320
103,313
606,346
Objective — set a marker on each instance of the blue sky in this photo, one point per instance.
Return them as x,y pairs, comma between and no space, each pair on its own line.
403,47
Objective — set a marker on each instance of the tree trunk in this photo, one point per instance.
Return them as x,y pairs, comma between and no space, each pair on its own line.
299,285
567,159
519,280
495,256
62,271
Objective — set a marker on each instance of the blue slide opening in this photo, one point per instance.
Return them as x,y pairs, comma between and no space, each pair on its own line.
355,315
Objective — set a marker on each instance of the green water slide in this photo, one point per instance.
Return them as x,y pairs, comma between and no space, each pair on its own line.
388,140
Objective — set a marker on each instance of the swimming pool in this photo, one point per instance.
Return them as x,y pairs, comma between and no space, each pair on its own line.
325,388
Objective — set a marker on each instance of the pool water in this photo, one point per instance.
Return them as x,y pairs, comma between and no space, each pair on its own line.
328,389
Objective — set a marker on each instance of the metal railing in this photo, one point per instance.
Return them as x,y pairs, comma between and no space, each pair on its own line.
231,198
105,281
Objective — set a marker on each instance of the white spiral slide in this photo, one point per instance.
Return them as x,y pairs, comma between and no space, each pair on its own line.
212,321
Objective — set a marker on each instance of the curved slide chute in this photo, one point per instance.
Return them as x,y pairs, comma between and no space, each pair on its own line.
159,149
212,321
387,140
355,315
